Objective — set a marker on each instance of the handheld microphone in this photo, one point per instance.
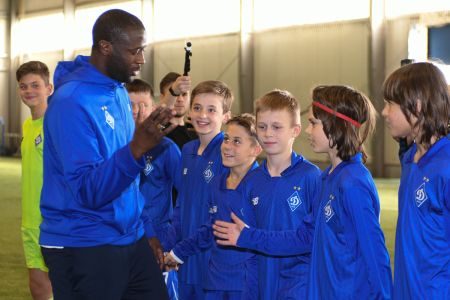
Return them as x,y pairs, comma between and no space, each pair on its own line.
187,58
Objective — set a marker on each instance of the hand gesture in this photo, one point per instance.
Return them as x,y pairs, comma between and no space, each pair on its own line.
150,131
157,251
170,261
228,233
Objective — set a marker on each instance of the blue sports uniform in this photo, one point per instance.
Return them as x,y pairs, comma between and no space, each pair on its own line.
90,194
192,211
349,258
230,270
281,203
161,173
422,244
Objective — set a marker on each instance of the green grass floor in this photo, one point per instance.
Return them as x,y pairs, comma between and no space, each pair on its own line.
13,273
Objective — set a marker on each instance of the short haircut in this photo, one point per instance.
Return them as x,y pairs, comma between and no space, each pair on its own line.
140,86
248,122
34,67
348,101
276,100
167,80
111,26
215,87
425,82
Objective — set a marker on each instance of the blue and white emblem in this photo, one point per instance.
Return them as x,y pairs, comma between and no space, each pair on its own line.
38,140
148,166
328,211
420,195
109,119
255,201
185,170
208,174
294,201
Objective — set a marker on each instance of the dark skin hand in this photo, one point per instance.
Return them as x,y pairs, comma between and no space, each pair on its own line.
157,251
150,131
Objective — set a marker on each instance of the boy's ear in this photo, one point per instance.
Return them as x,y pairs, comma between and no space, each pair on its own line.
50,89
257,150
296,130
226,117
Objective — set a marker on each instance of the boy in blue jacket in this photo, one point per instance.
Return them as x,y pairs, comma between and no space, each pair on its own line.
417,107
92,233
200,163
231,272
281,192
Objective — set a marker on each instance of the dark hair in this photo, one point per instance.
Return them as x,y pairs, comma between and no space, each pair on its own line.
248,122
112,24
347,138
167,80
34,67
139,86
422,82
279,100
215,87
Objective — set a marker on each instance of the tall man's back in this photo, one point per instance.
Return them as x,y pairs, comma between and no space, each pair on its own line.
92,234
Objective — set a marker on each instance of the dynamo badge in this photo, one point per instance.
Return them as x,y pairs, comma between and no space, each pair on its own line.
213,209
255,201
109,119
328,211
420,195
185,170
148,167
38,140
294,201
208,174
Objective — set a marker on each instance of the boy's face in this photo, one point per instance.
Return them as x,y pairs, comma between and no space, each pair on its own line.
396,120
33,91
275,131
143,100
238,148
207,114
317,138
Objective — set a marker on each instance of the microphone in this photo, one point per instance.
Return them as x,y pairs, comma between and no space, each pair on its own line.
187,58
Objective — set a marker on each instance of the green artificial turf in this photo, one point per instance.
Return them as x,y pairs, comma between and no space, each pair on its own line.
13,272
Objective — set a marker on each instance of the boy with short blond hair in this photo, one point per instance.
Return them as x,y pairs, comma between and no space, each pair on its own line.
34,89
200,162
282,192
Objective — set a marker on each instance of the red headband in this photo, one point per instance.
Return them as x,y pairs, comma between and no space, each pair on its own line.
337,114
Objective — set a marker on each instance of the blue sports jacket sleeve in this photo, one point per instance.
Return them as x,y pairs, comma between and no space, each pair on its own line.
370,239
93,180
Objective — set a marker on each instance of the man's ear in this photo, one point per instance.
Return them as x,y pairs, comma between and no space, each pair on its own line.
105,47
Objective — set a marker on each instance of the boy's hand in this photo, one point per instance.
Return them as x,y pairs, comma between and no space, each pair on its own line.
150,131
157,251
228,233
170,261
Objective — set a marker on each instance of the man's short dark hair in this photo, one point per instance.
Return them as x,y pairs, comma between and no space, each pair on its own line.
112,24
168,79
140,86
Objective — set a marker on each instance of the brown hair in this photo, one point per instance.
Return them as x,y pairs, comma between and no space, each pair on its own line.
422,82
167,80
279,100
139,86
215,87
347,138
33,67
248,122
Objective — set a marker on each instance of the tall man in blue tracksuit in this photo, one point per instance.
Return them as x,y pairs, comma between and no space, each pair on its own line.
92,234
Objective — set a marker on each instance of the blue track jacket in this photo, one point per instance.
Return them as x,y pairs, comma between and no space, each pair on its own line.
229,268
281,203
161,173
192,211
90,194
422,244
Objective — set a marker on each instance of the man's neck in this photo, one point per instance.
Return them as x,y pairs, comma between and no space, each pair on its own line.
178,121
